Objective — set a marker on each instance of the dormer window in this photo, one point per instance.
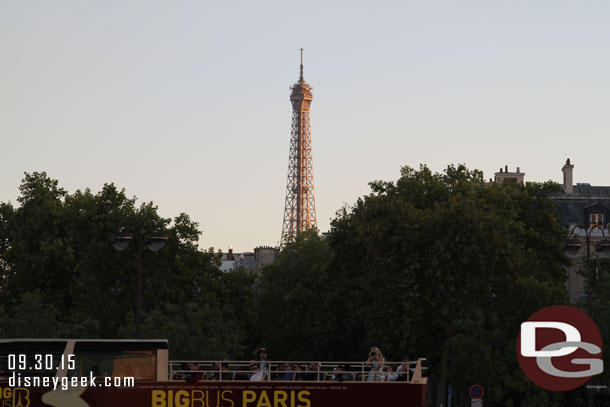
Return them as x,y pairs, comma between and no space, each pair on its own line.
596,219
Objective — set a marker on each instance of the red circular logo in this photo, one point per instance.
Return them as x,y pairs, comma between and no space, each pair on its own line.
559,348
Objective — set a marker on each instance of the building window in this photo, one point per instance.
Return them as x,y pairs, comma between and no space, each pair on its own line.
596,219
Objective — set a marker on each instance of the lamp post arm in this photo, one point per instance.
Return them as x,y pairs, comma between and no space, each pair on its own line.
577,226
597,227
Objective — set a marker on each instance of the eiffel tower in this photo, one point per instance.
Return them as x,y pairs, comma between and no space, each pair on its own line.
300,206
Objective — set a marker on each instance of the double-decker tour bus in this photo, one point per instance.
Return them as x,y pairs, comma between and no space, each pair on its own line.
113,373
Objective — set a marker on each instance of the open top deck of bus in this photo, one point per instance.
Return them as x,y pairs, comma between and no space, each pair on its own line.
159,382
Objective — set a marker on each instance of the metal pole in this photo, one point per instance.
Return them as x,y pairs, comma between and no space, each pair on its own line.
158,241
139,283
589,295
589,281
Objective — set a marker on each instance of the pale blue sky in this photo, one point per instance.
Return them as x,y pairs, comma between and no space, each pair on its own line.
186,103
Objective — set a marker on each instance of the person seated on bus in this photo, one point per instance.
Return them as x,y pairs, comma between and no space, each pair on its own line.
298,372
311,374
277,372
337,375
288,372
376,362
241,373
196,374
390,375
347,373
341,375
403,371
182,374
220,372
257,375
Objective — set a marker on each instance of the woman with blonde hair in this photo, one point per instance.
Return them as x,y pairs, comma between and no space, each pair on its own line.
376,361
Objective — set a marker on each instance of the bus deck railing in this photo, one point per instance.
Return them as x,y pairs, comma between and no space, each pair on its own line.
315,371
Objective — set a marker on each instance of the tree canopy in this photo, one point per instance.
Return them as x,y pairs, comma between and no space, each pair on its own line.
61,277
439,265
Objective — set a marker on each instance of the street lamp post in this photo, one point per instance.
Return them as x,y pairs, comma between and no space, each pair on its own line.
154,241
574,243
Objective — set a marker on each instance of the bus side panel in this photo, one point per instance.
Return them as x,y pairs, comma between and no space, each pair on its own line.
223,394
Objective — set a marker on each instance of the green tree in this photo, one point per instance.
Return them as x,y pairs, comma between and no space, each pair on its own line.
439,265
448,266
57,263
293,317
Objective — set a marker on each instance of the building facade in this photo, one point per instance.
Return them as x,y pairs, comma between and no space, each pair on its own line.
251,261
584,211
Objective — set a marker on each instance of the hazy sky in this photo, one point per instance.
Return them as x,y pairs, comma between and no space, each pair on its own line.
186,103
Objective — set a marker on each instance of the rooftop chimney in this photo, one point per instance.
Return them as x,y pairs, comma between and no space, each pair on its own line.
230,254
567,177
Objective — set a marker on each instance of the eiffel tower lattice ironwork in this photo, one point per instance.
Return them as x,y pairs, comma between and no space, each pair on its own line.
300,206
